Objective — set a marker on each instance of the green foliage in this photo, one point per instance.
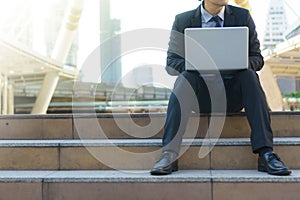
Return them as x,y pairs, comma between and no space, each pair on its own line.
295,95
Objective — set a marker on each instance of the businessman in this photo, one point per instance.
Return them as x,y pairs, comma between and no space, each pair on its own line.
242,88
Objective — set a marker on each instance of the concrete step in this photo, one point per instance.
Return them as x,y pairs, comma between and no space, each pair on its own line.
135,154
124,126
184,184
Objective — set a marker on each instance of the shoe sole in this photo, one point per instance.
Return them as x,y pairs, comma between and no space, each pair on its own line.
171,168
278,173
160,172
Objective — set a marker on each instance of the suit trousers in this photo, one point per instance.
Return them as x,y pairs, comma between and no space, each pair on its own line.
192,93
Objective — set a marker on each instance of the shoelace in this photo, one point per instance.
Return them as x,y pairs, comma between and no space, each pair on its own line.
274,156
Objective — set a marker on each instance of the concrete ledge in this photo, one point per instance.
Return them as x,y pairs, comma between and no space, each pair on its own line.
288,141
252,176
142,176
132,126
111,185
126,115
135,154
129,177
24,176
105,176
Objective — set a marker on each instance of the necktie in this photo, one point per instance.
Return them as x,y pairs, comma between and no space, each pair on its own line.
217,20
215,82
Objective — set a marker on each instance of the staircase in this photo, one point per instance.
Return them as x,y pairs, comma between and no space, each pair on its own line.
53,157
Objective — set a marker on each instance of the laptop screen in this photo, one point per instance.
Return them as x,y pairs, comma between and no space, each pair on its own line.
210,49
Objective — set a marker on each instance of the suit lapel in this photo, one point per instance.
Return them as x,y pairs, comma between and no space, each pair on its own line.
229,18
196,20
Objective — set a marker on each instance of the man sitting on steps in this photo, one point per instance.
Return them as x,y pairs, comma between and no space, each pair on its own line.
243,89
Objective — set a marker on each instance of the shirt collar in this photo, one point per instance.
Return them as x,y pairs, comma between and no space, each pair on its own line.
206,16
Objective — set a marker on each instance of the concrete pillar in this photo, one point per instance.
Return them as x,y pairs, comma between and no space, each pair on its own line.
5,94
60,52
45,94
1,96
68,31
11,99
271,88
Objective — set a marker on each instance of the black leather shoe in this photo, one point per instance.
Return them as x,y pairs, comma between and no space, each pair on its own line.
166,165
271,163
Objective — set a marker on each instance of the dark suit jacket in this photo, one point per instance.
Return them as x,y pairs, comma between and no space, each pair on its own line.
233,16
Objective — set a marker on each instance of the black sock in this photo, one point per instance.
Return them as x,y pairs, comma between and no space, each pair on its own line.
264,150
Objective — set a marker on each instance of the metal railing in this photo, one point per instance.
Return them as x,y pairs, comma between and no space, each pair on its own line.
97,97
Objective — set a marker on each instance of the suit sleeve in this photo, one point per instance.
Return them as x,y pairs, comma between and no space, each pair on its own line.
175,54
256,60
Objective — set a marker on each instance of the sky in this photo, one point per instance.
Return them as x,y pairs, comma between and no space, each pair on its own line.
139,14
161,13
135,14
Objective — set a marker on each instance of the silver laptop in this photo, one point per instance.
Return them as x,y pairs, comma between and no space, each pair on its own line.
210,49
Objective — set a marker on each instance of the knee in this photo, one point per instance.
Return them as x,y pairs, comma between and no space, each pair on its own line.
187,78
247,75
186,85
189,75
